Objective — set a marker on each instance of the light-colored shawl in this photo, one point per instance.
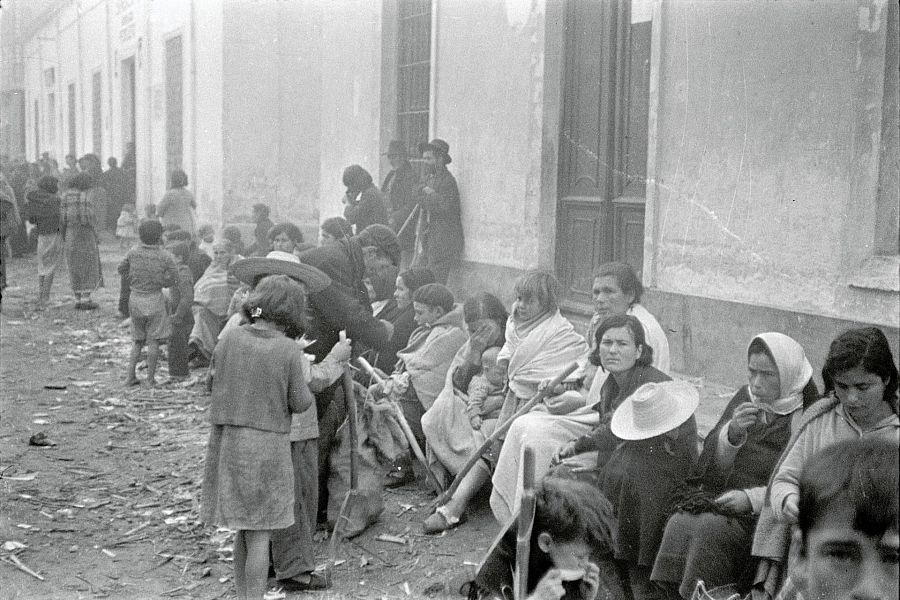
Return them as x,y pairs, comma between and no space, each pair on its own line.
543,353
214,289
794,371
429,353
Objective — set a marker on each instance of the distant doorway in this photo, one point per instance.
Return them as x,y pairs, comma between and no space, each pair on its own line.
603,144
129,123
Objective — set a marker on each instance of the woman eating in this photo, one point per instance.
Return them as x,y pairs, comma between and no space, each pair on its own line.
616,291
708,537
860,402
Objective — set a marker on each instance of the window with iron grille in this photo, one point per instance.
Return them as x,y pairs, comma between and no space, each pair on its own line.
174,104
413,73
96,112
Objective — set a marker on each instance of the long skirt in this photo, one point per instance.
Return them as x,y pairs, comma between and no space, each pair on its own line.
49,252
83,258
248,480
708,547
293,552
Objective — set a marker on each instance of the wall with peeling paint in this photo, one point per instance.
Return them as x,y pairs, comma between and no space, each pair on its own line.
489,106
767,166
271,125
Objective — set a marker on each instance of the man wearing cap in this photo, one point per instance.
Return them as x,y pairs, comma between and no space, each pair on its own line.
439,232
399,188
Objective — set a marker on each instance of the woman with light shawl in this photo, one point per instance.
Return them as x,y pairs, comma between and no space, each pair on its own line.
709,535
540,343
616,290
212,295
78,228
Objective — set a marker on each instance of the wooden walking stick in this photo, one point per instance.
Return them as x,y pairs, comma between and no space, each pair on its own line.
413,214
498,432
404,425
525,525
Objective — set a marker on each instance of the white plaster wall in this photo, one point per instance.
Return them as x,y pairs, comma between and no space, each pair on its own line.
207,144
351,89
488,105
765,189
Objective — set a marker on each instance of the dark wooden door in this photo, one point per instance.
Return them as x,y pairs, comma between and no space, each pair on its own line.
603,143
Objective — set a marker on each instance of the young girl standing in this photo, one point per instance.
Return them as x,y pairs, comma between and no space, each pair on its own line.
248,484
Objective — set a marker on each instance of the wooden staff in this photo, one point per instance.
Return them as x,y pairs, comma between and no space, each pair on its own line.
499,431
525,525
404,425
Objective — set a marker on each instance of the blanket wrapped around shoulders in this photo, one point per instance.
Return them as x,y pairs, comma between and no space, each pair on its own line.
429,353
214,290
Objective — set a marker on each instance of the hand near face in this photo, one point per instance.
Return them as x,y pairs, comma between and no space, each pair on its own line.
483,337
745,415
590,584
735,500
549,587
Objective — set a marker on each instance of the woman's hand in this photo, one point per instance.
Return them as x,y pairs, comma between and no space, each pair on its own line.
341,351
556,391
791,510
735,500
549,587
482,339
745,415
566,451
590,583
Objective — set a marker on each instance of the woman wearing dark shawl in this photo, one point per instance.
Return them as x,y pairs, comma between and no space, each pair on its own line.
78,228
709,536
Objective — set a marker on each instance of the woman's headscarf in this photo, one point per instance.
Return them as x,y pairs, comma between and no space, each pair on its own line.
794,371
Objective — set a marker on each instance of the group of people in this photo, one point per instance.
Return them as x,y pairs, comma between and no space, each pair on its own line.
628,500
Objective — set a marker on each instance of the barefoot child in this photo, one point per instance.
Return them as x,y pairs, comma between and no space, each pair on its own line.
148,268
126,226
248,484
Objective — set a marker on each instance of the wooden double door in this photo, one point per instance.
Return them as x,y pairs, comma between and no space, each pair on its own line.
603,143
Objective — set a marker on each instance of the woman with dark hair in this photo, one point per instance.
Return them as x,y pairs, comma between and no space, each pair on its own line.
43,210
286,237
333,230
399,312
79,233
177,205
363,203
709,535
861,402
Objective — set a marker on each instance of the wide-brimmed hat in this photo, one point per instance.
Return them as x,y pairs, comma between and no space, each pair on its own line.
396,147
653,409
437,145
280,263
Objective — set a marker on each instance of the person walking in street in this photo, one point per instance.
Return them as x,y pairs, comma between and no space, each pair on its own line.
113,180
43,209
177,205
79,232
439,233
399,190
363,203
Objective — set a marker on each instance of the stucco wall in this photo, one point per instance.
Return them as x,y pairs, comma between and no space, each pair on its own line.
351,89
489,106
769,124
271,86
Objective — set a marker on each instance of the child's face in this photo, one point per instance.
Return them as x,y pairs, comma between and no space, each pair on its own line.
283,243
526,309
492,372
565,555
208,237
426,315
843,563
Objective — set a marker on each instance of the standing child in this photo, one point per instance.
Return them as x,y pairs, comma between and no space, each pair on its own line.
126,226
248,484
181,320
148,268
486,390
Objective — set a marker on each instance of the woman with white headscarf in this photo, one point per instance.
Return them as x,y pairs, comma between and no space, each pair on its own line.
709,535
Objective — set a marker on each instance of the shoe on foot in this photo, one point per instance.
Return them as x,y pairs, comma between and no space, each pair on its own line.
305,582
441,520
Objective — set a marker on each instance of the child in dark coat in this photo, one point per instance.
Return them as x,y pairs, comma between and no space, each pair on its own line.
181,320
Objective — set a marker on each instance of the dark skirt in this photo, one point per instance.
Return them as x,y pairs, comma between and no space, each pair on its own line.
708,547
83,258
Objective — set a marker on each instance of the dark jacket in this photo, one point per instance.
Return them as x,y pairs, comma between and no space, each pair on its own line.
442,221
404,322
181,298
399,188
43,210
197,262
367,209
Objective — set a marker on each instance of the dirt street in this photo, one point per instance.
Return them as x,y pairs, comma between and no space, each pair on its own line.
109,508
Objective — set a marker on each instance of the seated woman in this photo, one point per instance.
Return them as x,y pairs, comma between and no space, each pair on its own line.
617,291
451,438
287,237
539,344
861,402
212,294
334,229
423,364
658,447
400,313
709,536
622,352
